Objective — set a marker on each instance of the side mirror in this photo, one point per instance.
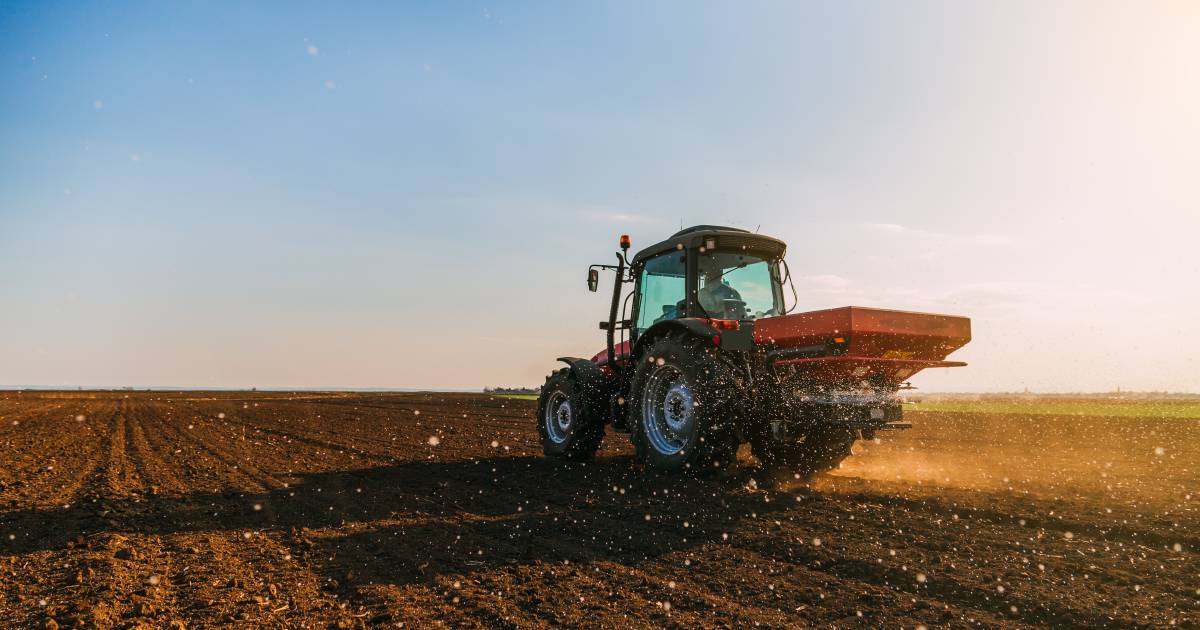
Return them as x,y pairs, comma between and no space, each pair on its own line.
593,280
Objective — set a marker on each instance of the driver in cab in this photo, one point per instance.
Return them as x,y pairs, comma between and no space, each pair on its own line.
715,291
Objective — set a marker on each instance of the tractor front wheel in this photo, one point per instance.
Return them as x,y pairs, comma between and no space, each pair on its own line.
566,423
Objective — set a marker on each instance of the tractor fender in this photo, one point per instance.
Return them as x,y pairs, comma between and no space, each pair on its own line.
591,385
690,325
584,370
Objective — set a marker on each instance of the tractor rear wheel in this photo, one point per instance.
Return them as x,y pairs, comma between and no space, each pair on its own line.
680,406
567,423
821,450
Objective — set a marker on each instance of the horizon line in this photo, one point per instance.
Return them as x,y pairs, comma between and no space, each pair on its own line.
467,390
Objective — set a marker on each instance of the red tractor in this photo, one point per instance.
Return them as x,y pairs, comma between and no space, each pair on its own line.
709,358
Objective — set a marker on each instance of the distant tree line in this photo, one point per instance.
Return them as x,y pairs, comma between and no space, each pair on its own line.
510,390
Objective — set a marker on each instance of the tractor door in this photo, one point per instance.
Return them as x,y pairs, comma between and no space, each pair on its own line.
661,291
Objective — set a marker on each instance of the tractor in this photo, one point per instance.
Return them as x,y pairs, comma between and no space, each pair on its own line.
704,355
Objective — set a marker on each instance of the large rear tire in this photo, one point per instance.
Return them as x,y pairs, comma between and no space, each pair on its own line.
567,423
680,406
821,450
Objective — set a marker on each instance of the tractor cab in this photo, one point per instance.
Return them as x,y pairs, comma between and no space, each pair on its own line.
708,271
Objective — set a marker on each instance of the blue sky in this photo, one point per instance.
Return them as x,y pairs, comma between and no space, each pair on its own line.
396,195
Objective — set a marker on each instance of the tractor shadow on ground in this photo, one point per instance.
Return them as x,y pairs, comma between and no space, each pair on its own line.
435,522
417,520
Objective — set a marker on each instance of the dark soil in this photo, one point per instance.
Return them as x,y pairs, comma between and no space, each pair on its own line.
202,509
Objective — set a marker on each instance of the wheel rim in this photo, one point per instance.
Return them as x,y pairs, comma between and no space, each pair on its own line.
668,410
558,417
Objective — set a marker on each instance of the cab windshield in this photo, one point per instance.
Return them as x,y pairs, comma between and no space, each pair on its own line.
737,285
662,290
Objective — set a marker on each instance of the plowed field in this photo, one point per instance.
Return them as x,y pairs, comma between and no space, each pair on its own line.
203,509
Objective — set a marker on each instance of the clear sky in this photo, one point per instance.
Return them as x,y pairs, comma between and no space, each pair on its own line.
406,195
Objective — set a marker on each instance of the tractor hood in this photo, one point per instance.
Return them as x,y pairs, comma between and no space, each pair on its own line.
853,341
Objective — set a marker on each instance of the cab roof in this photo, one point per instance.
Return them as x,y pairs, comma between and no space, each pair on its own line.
727,238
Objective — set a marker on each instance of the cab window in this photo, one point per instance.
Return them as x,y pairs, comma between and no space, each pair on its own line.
661,292
737,285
